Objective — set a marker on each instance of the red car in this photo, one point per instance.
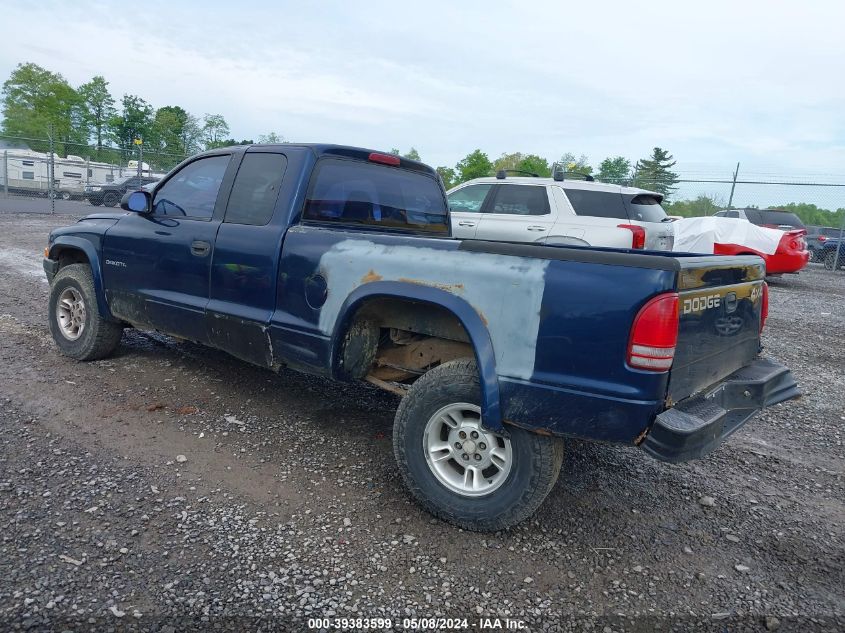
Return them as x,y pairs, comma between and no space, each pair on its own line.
790,257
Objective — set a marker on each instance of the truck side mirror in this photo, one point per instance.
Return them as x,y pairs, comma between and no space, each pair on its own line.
136,201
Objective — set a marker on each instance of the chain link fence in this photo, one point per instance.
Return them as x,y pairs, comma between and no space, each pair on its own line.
58,172
50,176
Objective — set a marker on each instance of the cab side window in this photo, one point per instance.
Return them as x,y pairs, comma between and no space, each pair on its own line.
256,189
192,191
469,199
520,200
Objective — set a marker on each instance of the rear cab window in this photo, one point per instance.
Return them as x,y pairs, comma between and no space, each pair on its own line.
354,192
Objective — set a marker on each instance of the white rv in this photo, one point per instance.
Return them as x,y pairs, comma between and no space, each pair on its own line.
25,171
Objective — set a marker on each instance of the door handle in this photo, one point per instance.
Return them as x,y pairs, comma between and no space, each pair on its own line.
536,228
466,223
200,249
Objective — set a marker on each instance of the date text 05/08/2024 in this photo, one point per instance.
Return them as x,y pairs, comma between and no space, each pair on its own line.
417,624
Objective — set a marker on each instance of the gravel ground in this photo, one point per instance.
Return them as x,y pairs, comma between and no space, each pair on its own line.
173,487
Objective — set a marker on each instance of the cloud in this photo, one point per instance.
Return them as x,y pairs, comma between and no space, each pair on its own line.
752,81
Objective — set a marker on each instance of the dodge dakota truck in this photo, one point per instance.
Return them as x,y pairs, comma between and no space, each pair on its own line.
339,261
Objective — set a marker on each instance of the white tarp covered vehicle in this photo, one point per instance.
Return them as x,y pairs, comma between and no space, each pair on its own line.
700,235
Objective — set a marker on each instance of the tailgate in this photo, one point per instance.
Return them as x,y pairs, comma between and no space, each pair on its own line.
720,305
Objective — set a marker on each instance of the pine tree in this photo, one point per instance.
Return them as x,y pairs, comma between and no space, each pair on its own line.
656,173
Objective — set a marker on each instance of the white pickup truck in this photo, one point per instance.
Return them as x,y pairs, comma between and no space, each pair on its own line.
554,211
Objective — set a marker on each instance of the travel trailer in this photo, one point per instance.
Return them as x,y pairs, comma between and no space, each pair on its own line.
24,171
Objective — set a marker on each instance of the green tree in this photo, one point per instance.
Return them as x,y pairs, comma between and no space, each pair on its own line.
228,142
476,164
395,151
615,170
580,165
215,129
134,122
534,164
448,176
812,215
531,163
271,138
99,108
36,101
656,173
191,135
167,134
508,161
700,206
412,154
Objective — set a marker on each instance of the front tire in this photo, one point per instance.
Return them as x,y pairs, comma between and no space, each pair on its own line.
111,199
461,471
75,323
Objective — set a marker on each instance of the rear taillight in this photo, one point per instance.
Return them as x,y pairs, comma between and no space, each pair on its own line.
822,238
655,334
764,306
639,234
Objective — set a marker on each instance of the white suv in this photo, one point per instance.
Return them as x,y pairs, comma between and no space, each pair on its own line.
557,211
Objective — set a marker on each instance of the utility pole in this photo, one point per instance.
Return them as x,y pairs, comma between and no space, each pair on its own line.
733,186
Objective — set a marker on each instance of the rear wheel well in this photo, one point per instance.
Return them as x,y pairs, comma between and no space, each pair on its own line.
391,342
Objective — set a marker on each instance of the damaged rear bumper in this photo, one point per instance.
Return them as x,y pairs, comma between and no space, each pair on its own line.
697,425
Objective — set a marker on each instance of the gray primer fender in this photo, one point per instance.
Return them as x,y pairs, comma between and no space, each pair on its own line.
507,292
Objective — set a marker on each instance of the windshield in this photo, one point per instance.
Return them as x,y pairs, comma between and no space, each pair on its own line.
646,208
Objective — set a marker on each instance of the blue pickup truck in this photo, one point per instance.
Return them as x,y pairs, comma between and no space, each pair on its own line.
339,261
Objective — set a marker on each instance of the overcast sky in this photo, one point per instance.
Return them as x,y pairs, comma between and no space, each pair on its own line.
714,83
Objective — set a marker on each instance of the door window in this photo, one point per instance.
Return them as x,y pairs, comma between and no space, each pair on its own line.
520,200
192,191
256,189
469,199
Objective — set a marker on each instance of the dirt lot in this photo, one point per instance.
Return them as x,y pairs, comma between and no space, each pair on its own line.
289,505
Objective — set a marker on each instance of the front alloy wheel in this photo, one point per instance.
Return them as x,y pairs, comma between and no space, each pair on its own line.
70,313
